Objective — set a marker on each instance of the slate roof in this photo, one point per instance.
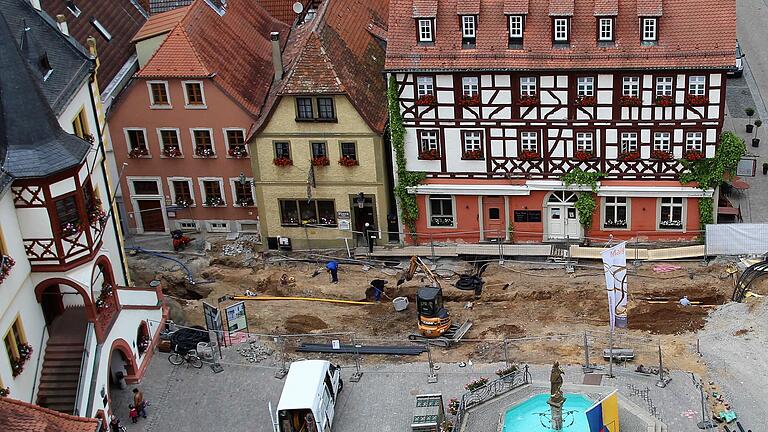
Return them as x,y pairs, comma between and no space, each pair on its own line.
121,18
71,64
32,144
234,50
158,6
692,34
19,416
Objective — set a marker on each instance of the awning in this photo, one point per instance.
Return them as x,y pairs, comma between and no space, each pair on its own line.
738,183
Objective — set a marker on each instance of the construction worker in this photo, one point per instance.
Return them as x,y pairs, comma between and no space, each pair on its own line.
333,268
684,301
370,235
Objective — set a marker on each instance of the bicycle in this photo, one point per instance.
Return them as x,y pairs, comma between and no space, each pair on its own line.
190,357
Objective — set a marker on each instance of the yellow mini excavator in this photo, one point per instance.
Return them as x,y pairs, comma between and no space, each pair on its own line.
435,323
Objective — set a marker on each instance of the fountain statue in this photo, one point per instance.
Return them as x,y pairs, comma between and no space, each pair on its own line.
556,399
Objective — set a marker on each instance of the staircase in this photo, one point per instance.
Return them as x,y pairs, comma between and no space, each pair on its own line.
61,363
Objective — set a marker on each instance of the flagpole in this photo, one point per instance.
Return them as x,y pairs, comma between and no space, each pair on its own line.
610,352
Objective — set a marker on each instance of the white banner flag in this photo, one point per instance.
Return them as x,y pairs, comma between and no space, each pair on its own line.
615,264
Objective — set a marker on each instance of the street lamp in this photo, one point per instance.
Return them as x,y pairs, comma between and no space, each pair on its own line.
360,200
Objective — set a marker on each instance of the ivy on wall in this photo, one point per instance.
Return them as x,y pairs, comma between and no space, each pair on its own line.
586,202
709,173
409,209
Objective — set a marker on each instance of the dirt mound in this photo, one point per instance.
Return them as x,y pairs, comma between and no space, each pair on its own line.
300,324
666,318
504,330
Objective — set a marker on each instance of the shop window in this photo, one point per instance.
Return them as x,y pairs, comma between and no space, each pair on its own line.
301,212
671,213
441,211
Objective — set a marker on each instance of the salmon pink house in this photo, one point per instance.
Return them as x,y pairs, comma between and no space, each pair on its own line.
502,99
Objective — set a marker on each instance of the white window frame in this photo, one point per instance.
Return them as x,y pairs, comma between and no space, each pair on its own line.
187,105
475,142
468,26
209,226
528,86
516,26
226,139
683,204
615,204
232,181
152,104
201,185
605,33
585,86
662,141
425,30
172,190
529,141
560,30
128,139
649,29
429,211
425,85
697,85
194,143
665,86
162,144
694,141
160,196
470,86
157,180
240,223
585,141
436,142
180,225
628,142
630,86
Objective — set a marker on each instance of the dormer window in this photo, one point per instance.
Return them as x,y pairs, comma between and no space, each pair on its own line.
561,30
605,30
468,31
426,30
516,28
649,30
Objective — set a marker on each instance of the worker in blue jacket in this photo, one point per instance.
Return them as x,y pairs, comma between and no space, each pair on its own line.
333,268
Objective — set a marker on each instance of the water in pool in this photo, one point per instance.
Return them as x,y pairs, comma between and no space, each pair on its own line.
526,417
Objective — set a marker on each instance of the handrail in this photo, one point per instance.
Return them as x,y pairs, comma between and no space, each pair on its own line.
489,391
40,356
83,366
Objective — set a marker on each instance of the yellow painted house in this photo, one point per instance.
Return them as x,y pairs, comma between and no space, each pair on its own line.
319,157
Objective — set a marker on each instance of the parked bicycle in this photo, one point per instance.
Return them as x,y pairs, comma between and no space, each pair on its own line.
190,357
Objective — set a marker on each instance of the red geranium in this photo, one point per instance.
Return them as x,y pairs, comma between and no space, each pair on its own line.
661,155
282,162
138,152
694,155
630,101
473,155
629,156
429,155
696,100
529,155
321,161
584,155
664,101
427,99
528,100
465,100
348,162
584,101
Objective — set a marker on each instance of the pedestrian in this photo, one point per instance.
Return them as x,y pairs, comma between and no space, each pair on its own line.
133,413
684,301
139,402
333,268
370,236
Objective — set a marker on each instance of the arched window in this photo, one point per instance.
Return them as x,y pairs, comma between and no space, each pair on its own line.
562,197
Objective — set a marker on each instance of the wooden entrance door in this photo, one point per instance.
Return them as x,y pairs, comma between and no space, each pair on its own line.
151,213
493,217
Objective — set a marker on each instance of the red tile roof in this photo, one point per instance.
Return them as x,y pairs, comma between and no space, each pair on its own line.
561,7
234,50
281,9
121,18
692,34
468,7
19,416
515,7
160,23
606,7
424,8
650,8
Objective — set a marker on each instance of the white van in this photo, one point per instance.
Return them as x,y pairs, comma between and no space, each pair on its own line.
309,397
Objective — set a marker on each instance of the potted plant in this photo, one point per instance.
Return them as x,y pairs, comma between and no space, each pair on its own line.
138,152
320,161
348,161
765,168
630,101
238,152
507,373
429,154
694,155
426,100
171,151
629,156
584,155
465,100
664,100
530,100
585,101
661,155
529,155
755,139
453,406
473,155
69,229
696,100
476,384
245,202
214,201
749,112
7,263
183,202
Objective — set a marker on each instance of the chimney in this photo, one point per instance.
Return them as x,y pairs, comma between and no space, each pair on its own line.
36,4
277,58
62,22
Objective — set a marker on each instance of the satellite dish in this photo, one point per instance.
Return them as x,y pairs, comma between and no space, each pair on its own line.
298,7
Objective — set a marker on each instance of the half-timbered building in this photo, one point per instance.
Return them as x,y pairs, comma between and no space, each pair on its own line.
501,98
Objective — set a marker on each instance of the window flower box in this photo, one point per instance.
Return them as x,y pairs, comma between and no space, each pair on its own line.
245,202
70,229
630,101
102,302
282,162
695,100
671,224
584,155
426,100
25,353
238,152
138,152
665,101
620,224
321,161
453,406
184,202
204,151
476,384
348,162
472,155
214,201
693,155
465,101
532,100
509,370
429,154
172,151
661,155
97,217
90,138
585,101
529,155
6,264
629,156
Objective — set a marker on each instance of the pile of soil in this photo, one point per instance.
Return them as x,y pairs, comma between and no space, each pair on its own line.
301,324
503,331
667,318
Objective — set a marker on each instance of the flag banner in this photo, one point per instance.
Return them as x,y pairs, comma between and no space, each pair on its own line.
604,415
615,265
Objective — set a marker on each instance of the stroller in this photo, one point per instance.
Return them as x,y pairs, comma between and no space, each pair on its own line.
180,241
